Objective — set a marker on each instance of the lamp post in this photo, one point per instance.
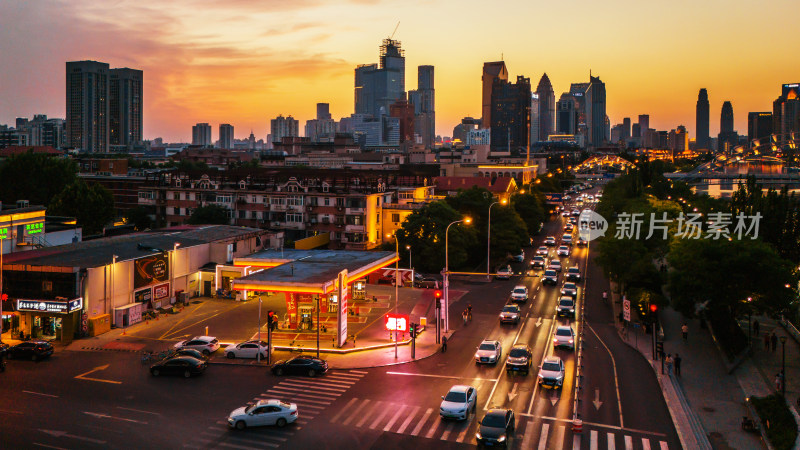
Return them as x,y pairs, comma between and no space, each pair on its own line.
749,320
408,247
783,366
172,267
396,285
489,237
446,309
1,286
258,352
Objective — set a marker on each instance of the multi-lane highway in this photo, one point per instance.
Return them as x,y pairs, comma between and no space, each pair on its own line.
108,400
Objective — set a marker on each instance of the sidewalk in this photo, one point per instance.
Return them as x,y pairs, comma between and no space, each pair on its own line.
705,390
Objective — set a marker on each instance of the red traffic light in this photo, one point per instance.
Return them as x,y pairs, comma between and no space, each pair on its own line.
437,293
653,308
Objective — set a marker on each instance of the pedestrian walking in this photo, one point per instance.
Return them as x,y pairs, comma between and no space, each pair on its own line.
669,362
444,344
766,341
464,316
756,326
677,364
778,381
774,341
685,332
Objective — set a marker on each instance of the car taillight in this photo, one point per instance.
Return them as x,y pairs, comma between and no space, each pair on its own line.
294,413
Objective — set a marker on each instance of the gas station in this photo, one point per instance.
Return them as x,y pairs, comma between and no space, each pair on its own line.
312,281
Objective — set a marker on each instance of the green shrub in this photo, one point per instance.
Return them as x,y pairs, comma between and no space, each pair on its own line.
782,430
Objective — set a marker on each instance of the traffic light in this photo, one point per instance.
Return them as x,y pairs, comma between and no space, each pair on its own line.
653,308
413,330
437,293
270,319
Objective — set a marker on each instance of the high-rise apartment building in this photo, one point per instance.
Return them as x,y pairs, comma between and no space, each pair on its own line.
644,125
225,135
626,128
126,107
510,114
759,125
378,86
425,106
702,140
404,112
547,108
678,140
727,138
323,111
566,115
201,134
535,136
281,127
786,110
87,106
596,112
491,71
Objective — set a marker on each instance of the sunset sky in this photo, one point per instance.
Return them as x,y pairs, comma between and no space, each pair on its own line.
246,61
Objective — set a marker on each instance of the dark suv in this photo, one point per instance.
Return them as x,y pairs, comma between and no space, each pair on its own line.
519,359
34,350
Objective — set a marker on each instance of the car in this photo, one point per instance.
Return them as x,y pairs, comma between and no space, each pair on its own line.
543,251
582,242
555,264
569,289
519,294
300,365
551,373
520,257
576,213
34,350
550,241
189,352
563,251
566,239
179,365
565,213
504,273
3,349
427,283
510,314
565,307
538,262
488,352
589,198
249,349
574,274
598,196
519,359
263,412
205,344
496,427
550,277
459,402
564,336
568,227
573,220
567,198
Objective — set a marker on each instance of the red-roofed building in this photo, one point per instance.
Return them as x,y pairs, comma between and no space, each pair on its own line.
502,188
12,150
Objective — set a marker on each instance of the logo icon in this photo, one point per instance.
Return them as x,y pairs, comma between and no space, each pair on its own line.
591,225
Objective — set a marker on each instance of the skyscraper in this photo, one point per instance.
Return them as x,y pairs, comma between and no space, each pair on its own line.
404,112
566,115
201,134
510,114
644,124
281,127
726,133
596,112
786,110
547,108
759,124
423,100
491,71
535,137
87,106
626,128
125,107
323,111
702,140
225,135
377,87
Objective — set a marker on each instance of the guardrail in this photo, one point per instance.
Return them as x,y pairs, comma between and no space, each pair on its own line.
579,363
790,328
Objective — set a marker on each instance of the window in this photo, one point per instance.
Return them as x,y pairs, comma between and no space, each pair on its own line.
47,286
326,187
406,195
295,218
355,220
224,199
327,201
110,165
277,200
146,195
395,217
294,200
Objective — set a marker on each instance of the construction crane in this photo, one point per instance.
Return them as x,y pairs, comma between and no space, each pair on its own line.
395,30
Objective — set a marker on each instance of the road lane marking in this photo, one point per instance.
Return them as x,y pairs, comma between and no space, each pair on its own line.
663,445
49,446
576,442
543,436
447,430
308,398
358,371
139,411
559,438
103,367
39,393
422,422
440,376
645,444
356,412
375,406
380,416
241,447
593,440
408,420
339,380
463,434
497,381
346,407
611,443
436,422
547,347
307,393
310,386
106,416
616,379
10,412
60,434
628,442
394,418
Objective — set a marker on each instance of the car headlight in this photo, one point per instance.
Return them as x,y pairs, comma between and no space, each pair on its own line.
478,435
501,438
477,355
541,376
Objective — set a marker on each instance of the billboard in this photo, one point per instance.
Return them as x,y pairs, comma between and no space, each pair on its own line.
150,269
341,323
553,198
396,322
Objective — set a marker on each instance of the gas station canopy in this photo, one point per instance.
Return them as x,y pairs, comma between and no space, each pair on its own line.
307,271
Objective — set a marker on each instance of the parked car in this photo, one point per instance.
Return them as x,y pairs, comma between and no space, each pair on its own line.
3,349
564,336
519,294
205,344
459,402
519,359
574,274
180,365
550,277
189,352
496,427
427,283
551,373
563,251
488,352
569,289
538,262
510,314
300,365
35,350
566,307
249,349
264,412
542,251
504,273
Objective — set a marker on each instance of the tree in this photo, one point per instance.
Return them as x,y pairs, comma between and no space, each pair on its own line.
509,233
139,217
35,177
530,210
209,215
92,206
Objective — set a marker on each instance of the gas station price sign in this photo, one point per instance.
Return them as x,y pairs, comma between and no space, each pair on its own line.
396,322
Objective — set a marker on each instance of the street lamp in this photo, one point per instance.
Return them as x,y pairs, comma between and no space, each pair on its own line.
783,366
446,309
172,266
749,319
489,236
258,352
408,247
396,285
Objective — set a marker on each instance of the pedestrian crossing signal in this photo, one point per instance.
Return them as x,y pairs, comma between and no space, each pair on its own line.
437,293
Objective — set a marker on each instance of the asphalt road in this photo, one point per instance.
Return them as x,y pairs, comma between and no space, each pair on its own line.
92,400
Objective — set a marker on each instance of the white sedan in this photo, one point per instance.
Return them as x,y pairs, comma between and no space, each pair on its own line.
265,412
205,344
249,349
459,402
563,251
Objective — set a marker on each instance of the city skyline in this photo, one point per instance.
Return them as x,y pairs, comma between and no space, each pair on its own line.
206,64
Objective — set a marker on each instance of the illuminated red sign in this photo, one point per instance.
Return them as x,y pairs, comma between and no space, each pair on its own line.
396,322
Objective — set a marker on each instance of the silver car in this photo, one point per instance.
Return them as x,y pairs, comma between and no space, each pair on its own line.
564,337
488,352
459,402
510,314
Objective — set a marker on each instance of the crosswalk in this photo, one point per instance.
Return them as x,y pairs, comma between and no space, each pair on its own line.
312,396
530,433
